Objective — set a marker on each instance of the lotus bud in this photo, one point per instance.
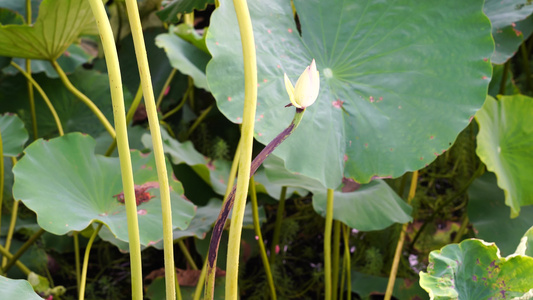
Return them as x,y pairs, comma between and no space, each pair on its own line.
307,86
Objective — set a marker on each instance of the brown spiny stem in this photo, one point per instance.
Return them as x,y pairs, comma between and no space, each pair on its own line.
228,205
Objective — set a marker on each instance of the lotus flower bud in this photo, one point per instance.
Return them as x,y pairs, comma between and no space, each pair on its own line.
307,86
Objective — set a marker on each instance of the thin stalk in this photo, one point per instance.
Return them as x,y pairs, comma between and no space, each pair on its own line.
187,254
155,131
503,82
347,257
336,258
19,265
1,176
32,98
43,95
247,131
188,18
22,249
343,277
327,244
177,285
200,284
401,239
129,117
199,120
30,85
83,98
461,230
228,204
177,108
86,258
165,86
527,71
11,229
259,237
233,172
77,259
277,225
119,112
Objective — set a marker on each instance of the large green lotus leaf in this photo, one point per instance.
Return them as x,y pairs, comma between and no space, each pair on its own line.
504,15
69,187
175,7
58,25
14,135
371,206
396,88
405,289
374,206
17,289
474,269
490,217
505,144
185,57
74,115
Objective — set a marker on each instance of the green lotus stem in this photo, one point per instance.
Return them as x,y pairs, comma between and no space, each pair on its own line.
327,244
115,83
199,120
30,86
1,177
134,104
247,131
177,108
233,172
200,284
129,117
83,98
11,230
277,225
336,258
165,86
458,237
151,110
526,69
43,95
503,82
347,258
187,254
177,285
259,237
32,101
86,256
401,240
230,199
22,249
19,265
77,259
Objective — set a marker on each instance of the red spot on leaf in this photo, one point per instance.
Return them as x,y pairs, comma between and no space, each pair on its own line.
269,31
279,67
484,77
338,103
141,212
431,137
289,30
421,158
216,43
265,80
